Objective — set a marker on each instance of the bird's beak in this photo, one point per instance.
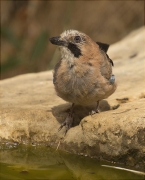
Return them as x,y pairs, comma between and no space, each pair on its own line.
57,41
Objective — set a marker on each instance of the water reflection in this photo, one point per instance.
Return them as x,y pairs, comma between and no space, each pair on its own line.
41,162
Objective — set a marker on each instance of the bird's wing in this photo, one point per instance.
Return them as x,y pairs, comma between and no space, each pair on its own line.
103,46
110,60
112,79
106,65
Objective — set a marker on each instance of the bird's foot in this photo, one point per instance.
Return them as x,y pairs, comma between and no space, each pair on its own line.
67,123
94,112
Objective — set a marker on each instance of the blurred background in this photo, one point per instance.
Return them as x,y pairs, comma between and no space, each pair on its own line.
27,25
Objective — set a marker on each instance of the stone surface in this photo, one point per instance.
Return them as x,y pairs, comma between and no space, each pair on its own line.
31,112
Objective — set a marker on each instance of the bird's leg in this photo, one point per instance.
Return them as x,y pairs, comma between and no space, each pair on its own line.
96,109
68,121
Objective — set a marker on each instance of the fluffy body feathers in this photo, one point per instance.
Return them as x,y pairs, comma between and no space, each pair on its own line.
83,73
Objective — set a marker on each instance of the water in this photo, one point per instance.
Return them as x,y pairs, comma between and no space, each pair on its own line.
20,162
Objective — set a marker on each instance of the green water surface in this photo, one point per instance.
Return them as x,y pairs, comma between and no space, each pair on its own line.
20,162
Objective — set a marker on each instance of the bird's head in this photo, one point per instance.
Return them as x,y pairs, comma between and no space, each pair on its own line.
73,44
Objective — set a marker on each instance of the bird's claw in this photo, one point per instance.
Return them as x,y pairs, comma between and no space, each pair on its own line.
67,123
94,112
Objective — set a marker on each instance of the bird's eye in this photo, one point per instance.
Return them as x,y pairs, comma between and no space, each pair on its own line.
77,39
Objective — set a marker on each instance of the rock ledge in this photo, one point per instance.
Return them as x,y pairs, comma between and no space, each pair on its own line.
31,111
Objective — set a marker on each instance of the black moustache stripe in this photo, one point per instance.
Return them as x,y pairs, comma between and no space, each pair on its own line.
74,49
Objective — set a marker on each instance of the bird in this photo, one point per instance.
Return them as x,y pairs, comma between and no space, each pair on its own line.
83,76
